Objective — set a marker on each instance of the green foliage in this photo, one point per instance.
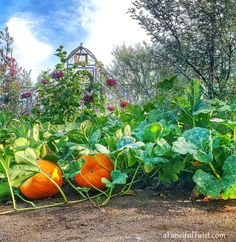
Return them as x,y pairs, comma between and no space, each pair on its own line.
216,187
4,191
118,178
70,170
135,69
193,38
141,146
66,92
13,79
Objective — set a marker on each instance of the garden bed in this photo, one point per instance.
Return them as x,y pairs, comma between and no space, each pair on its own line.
147,216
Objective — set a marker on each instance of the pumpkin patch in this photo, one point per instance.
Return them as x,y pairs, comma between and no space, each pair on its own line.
39,186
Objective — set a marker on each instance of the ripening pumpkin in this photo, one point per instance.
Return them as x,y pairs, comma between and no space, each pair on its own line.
94,169
39,186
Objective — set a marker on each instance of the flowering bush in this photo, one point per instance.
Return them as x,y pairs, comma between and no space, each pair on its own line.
66,92
13,79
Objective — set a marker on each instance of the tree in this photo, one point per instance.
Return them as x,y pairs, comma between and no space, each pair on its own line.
196,37
13,79
134,68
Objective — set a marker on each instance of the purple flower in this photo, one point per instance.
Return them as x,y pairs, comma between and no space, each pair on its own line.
25,95
44,81
57,74
111,82
88,99
25,113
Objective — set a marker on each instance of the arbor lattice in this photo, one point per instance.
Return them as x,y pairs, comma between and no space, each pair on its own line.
85,59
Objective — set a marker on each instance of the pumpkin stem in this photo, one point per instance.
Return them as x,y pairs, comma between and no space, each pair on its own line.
26,201
104,193
91,200
10,187
132,180
214,170
116,160
108,198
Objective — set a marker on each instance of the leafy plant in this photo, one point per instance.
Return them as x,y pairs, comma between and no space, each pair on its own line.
64,92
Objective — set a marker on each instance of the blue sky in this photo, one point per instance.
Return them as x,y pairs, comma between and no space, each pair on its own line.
40,26
52,18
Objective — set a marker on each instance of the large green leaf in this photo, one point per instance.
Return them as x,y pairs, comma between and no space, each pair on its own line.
169,171
102,149
118,178
197,142
18,173
95,136
228,123
27,156
162,147
128,142
151,163
200,137
207,183
70,169
4,191
215,187
151,132
136,112
203,106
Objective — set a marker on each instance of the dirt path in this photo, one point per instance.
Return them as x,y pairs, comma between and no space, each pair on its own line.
144,217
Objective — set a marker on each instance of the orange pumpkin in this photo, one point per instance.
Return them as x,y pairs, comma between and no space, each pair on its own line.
39,186
94,169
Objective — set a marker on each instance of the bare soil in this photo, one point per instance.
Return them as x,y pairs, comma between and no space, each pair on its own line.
147,216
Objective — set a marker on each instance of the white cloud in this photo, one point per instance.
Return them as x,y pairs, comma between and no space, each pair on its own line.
30,52
109,25
106,23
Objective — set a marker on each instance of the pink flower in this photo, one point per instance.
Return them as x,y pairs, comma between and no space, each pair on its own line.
57,74
44,81
12,71
88,99
111,82
111,108
25,95
124,103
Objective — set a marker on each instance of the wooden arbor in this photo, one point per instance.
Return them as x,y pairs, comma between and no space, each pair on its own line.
85,59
